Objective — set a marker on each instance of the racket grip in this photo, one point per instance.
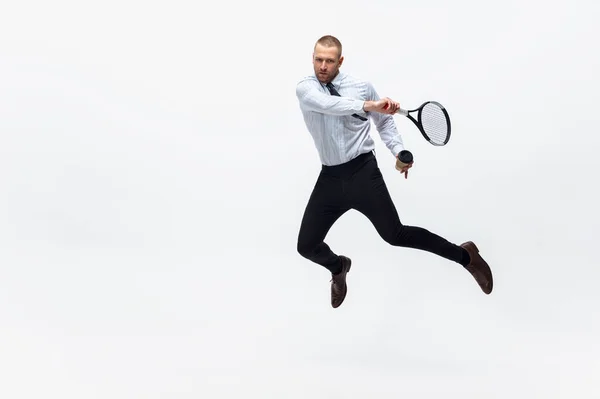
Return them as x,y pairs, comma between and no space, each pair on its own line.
404,158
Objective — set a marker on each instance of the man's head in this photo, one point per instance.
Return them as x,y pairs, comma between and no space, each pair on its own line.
327,58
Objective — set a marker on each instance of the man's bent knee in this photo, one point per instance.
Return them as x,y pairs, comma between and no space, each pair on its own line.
305,249
396,237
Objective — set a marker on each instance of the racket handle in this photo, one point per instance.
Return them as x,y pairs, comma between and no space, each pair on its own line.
399,111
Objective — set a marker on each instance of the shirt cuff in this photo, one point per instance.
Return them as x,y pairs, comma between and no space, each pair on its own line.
396,150
359,106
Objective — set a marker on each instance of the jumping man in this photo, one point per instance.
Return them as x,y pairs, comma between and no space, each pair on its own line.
338,109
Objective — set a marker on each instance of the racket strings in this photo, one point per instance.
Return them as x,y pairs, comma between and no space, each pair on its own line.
434,123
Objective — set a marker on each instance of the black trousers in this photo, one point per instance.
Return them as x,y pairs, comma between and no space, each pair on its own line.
359,185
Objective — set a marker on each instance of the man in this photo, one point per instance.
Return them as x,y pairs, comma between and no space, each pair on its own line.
337,109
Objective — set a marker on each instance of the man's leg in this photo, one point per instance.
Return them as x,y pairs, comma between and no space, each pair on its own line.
371,197
324,207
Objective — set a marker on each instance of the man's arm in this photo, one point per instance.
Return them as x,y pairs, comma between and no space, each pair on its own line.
385,124
314,100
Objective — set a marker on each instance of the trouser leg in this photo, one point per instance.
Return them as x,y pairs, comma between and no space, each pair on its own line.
324,207
371,197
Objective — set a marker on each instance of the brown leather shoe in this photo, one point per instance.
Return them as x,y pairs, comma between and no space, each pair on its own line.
338,283
479,268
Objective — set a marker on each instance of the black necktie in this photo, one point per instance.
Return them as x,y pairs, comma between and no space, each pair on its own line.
334,92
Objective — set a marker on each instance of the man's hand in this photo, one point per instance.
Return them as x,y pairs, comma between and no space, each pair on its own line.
383,106
403,167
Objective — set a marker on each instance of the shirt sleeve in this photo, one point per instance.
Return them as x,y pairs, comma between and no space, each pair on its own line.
386,126
312,99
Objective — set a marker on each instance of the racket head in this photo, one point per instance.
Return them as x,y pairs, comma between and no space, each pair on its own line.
434,123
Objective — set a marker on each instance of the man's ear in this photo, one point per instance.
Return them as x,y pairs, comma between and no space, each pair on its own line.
341,60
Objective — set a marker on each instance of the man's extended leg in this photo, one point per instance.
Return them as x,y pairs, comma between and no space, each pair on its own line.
371,197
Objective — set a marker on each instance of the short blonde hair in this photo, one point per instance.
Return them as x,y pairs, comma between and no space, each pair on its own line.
330,41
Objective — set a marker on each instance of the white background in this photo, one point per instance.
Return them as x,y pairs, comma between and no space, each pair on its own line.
154,168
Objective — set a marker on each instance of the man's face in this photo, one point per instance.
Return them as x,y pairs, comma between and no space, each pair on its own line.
326,62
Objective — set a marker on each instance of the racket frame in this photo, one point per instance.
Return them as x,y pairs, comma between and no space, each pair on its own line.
418,122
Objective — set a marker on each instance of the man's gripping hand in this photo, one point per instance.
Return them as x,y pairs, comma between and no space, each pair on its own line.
383,106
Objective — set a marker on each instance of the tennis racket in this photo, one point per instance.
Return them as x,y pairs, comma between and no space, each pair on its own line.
432,120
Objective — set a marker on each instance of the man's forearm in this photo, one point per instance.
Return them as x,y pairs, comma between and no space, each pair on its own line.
389,133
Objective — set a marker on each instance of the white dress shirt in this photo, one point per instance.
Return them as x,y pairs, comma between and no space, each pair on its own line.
338,136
